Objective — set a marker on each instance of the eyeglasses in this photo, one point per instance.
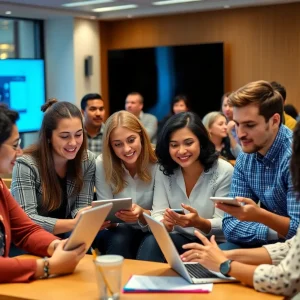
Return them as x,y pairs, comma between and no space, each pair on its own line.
16,145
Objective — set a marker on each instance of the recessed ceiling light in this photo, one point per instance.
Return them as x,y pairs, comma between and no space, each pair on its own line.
226,6
111,8
169,2
84,3
8,12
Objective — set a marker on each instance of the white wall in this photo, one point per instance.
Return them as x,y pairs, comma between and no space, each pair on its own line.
60,60
26,39
86,43
68,41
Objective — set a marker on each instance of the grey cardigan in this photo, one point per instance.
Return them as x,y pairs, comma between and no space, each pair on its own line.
27,190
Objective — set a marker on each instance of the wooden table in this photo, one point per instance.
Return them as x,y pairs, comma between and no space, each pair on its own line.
82,285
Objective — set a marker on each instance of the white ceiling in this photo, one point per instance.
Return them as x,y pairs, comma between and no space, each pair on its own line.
47,9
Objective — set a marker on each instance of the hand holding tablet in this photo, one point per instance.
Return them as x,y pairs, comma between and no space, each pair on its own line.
122,204
87,227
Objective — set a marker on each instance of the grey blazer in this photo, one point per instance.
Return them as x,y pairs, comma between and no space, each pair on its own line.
27,190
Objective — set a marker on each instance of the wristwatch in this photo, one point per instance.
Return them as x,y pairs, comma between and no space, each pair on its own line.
225,267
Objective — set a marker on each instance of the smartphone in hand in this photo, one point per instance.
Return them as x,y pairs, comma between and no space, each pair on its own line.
226,200
178,210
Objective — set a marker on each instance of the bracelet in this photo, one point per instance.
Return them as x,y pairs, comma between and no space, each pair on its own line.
46,267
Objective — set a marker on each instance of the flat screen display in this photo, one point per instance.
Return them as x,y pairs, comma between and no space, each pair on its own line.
160,73
22,88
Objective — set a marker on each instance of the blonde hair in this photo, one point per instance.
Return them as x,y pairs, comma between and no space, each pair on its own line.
114,171
210,119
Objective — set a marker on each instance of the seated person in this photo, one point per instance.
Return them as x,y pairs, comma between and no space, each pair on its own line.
92,108
179,104
216,125
292,111
272,268
227,110
54,180
126,169
134,104
17,227
190,173
287,120
262,172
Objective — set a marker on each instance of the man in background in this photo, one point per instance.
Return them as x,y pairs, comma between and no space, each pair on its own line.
288,121
92,108
134,104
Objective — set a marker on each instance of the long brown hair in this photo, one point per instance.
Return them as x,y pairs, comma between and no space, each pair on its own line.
42,152
114,172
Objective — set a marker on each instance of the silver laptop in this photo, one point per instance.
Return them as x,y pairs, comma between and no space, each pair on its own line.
192,272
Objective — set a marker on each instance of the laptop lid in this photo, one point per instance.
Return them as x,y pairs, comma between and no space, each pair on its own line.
167,247
170,252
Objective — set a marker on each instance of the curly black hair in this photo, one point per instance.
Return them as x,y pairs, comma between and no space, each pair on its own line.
295,160
7,119
208,154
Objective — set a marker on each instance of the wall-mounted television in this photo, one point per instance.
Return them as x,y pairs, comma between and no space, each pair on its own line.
22,88
160,73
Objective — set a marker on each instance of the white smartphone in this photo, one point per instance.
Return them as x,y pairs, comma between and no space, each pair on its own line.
226,200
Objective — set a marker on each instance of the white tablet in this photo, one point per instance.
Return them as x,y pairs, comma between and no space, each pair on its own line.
87,227
118,204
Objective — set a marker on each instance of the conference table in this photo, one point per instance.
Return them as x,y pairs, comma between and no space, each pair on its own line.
82,285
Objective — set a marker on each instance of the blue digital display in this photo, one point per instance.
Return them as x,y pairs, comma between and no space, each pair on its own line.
22,88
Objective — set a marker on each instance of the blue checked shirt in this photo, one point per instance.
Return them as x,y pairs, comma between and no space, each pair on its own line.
266,179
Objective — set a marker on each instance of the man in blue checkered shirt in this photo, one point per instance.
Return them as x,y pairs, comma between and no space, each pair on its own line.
92,108
261,173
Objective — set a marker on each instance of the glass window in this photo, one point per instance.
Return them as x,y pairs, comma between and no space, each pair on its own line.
7,39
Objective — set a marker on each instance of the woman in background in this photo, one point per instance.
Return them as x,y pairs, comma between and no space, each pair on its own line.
190,173
227,110
216,125
17,227
54,180
125,169
179,104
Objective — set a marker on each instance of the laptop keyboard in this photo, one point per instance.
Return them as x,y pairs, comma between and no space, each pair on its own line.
198,271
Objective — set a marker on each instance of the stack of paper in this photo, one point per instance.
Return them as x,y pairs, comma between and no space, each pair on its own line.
164,284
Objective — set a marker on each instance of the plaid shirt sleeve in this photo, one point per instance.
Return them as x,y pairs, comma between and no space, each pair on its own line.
86,195
24,189
237,231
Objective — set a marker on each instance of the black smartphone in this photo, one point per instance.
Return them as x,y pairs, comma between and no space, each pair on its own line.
178,210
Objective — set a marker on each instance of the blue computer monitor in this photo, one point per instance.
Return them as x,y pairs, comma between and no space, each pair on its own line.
22,88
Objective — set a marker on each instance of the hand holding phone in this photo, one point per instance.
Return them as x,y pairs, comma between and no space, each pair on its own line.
178,210
227,201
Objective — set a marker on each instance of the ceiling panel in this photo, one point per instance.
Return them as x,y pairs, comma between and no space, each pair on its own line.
46,9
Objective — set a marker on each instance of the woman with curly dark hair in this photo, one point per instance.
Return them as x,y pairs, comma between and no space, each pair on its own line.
190,173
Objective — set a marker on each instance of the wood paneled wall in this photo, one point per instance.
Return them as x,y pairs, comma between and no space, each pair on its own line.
260,42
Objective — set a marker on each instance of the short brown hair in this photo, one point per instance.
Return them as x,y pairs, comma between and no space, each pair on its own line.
262,94
136,94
